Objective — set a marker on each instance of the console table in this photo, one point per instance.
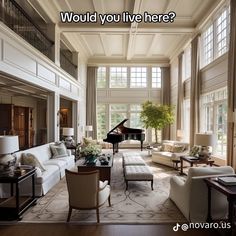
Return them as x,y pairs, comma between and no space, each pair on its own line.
13,207
192,161
104,170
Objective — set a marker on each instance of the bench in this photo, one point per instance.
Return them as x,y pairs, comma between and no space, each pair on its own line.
135,169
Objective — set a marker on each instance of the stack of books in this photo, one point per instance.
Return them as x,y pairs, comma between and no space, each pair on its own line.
227,180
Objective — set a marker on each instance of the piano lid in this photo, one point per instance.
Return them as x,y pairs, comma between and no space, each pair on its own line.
121,123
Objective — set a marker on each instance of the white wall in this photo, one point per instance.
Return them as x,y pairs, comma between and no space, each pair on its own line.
21,60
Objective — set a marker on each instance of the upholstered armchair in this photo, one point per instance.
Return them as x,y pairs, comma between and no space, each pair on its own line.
86,191
191,195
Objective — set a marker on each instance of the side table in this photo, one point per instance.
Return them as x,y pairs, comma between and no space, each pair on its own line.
192,161
13,207
230,193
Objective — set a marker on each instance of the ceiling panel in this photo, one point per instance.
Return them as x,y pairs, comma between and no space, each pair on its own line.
142,44
95,44
81,6
116,44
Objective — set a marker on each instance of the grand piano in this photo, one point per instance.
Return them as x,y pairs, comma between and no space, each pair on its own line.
120,133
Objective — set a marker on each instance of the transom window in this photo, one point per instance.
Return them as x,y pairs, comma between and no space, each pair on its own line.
221,33
215,38
138,77
156,77
208,45
101,77
118,77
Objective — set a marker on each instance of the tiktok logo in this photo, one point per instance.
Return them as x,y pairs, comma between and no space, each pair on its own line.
176,227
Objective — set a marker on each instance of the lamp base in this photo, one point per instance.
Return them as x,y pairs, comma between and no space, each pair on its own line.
69,141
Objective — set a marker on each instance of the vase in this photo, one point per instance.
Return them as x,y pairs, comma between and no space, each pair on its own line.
90,160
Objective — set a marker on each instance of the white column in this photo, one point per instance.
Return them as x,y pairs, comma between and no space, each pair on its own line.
75,120
53,118
75,59
54,33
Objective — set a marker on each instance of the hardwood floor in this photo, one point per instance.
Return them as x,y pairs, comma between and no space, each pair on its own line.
97,230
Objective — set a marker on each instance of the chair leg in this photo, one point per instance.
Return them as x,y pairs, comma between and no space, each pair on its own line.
97,211
69,214
109,200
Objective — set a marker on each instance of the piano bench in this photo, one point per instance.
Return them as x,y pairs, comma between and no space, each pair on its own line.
138,173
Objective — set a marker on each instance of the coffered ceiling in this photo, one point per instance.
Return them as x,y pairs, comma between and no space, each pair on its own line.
126,41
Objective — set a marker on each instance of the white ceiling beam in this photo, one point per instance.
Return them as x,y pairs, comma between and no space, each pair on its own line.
171,6
105,43
126,30
99,6
62,5
133,29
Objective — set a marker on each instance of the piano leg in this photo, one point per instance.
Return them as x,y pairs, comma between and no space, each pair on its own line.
141,145
115,148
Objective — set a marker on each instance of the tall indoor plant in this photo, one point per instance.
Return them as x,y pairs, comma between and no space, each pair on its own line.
156,116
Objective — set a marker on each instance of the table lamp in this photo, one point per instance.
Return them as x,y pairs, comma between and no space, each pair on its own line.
68,133
205,141
88,128
180,134
8,145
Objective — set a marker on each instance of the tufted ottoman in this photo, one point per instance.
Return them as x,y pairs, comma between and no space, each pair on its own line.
138,173
133,160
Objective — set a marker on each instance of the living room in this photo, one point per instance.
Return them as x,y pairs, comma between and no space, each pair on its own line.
90,76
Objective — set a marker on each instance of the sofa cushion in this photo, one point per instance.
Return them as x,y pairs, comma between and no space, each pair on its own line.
178,148
167,147
194,151
32,160
49,172
58,150
58,162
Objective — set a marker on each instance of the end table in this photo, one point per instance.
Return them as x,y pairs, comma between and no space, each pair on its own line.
13,207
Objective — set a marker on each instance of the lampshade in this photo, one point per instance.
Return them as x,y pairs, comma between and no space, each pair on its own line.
9,144
204,139
68,131
180,133
88,128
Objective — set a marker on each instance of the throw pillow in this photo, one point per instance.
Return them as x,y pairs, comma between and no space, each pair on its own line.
178,148
194,151
89,140
167,147
31,160
58,150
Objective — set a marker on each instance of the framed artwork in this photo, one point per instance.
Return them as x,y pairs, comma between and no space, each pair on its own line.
64,117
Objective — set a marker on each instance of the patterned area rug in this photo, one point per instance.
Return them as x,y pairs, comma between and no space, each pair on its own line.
137,205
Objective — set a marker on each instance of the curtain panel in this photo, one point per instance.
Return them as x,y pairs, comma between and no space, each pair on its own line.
195,89
91,99
165,80
231,150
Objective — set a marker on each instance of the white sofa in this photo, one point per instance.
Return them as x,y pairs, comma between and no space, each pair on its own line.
165,157
45,180
191,196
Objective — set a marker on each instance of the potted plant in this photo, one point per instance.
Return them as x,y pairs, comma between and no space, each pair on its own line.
156,116
91,152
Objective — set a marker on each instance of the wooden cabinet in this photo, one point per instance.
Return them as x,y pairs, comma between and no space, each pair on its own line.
17,120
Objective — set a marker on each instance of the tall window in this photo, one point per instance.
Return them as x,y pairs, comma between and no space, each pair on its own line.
118,112
101,77
101,121
135,121
118,77
214,119
186,119
138,77
186,65
221,33
156,77
208,45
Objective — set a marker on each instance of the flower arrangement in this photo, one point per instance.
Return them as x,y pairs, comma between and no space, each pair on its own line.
91,150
